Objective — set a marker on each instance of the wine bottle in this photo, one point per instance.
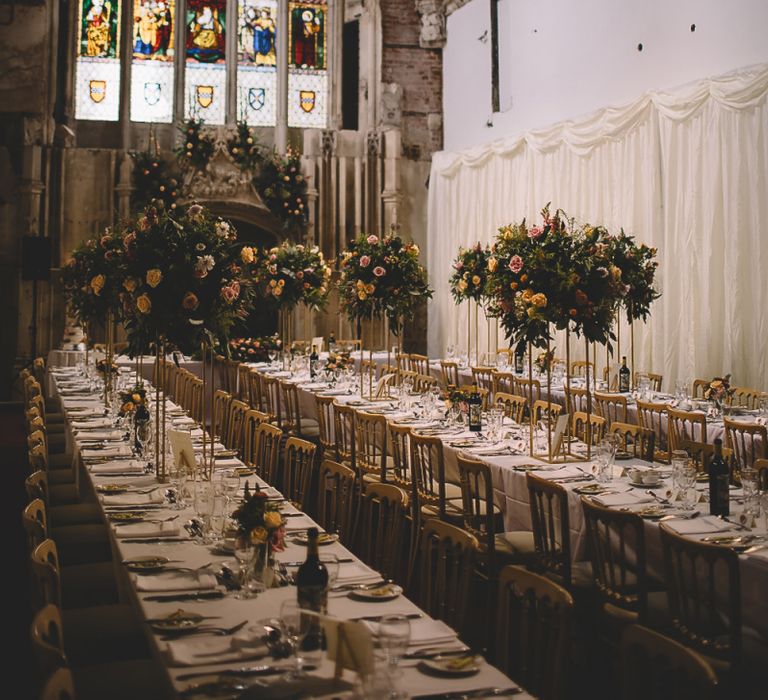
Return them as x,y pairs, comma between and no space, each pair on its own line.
519,355
624,376
475,410
719,495
312,588
313,358
331,342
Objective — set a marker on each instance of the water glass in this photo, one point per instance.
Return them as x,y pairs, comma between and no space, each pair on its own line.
495,421
606,453
203,502
681,390
295,624
687,481
394,637
643,386
749,487
679,462
331,563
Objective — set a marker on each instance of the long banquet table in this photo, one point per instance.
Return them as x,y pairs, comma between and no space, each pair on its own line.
217,653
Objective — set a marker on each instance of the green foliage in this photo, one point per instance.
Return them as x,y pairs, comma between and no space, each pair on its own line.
152,181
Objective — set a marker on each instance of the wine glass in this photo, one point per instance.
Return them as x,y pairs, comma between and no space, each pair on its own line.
231,484
203,502
394,637
331,563
244,556
687,480
295,623
177,471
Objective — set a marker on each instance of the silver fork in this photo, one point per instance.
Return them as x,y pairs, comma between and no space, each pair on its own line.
216,631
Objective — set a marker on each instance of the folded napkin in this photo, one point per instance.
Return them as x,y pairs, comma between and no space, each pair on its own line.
85,435
205,649
335,392
133,499
91,424
313,385
227,462
117,467
563,473
113,451
301,523
626,498
175,581
423,631
183,420
131,530
703,525
356,572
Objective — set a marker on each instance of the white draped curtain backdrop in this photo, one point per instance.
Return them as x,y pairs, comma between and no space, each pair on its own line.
684,171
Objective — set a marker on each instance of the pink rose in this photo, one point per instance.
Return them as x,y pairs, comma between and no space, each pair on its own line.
379,271
230,292
535,232
365,260
458,265
372,239
516,263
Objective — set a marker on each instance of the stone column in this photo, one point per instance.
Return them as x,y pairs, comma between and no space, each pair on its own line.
281,129
390,195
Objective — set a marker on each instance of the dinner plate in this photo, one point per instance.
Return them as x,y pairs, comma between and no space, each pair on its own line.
179,620
590,489
624,455
387,591
641,485
465,443
127,516
148,562
244,471
225,454
451,665
322,538
652,513
112,488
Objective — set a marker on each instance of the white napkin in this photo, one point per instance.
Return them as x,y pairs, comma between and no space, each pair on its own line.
175,581
703,525
132,499
117,467
170,529
91,424
85,435
299,523
114,451
355,572
227,462
183,420
423,631
563,473
626,498
335,392
205,649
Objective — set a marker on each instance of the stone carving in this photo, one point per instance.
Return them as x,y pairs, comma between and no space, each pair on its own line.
328,142
373,143
391,104
432,15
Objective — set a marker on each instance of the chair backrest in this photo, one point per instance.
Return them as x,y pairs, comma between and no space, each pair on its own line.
761,465
291,415
244,384
533,632
59,686
36,485
35,522
503,382
482,392
423,383
702,452
477,503
428,473
254,382
231,369
253,419
371,444
418,363
447,558
640,442
749,441
266,456
542,407
348,345
588,427
575,399
344,433
699,387
221,402
382,520
616,545
325,419
236,425
551,527
579,368
704,591
686,425
270,387
336,491
655,417
449,373
746,397
655,666
48,639
46,571
530,388
514,406
195,399
612,407
298,469
483,377
399,447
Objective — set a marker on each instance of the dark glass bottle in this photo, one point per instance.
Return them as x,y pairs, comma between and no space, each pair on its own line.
331,342
519,355
475,410
624,376
313,358
312,588
719,496
142,434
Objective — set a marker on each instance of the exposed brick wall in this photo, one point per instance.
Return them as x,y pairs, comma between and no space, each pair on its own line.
418,71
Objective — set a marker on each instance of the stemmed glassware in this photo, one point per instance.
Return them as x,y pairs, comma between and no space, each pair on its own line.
394,637
687,480
605,454
295,623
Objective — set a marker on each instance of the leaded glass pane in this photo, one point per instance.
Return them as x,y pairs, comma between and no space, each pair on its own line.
205,78
97,65
307,58
256,62
154,36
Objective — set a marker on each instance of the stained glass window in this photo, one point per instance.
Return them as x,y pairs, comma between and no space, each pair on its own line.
205,92
307,64
154,36
97,65
256,62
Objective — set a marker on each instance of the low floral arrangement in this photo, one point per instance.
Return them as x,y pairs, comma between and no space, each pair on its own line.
254,349
187,279
382,277
545,361
284,189
339,361
719,390
243,146
259,519
131,399
453,396
103,367
470,271
93,278
196,149
293,274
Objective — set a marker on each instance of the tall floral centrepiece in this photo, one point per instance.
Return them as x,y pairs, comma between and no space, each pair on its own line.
187,279
259,520
382,276
638,265
293,274
470,274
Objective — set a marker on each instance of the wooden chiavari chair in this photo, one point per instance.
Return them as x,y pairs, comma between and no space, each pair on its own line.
654,379
749,441
418,363
482,377
514,406
542,408
59,686
588,428
745,397
533,632
231,371
449,373
370,447
61,502
686,425
344,434
244,384
530,388
195,394
399,444
761,466
447,558
508,354
348,345
235,438
266,454
270,387
253,419
382,520
292,421
640,442
701,453
433,496
503,382
612,407
405,376
402,362
325,419
221,403
255,384
699,387
423,383
298,471
483,393
575,399
336,493
655,666
579,368
655,417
